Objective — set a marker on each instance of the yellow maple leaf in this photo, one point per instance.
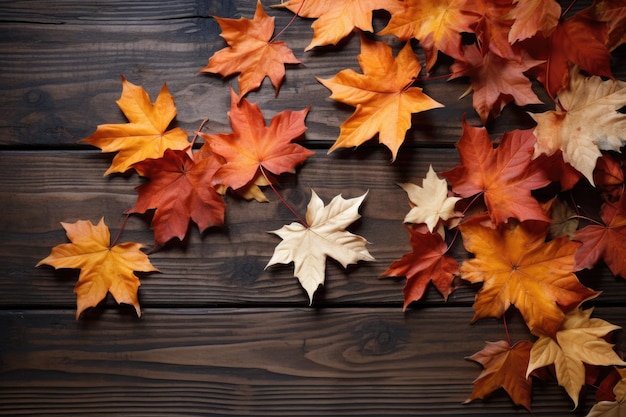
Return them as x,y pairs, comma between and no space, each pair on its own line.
325,235
382,96
104,268
589,122
579,340
146,135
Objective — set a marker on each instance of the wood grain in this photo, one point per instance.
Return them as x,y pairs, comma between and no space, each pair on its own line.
224,265
289,361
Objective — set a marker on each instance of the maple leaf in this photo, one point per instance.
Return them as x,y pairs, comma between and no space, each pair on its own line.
589,122
427,262
430,201
531,17
492,26
180,190
517,266
337,19
437,24
495,81
616,407
578,341
579,41
251,52
253,146
146,135
384,102
605,241
324,235
104,268
609,177
505,175
504,367
613,12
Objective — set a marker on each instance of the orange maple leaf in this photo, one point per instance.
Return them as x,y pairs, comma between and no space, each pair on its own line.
146,135
517,266
336,19
605,241
383,99
104,268
427,262
504,367
531,17
253,147
492,26
437,24
251,52
180,190
495,81
506,175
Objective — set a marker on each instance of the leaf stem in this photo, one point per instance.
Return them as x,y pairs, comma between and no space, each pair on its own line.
119,232
282,200
193,141
288,24
506,329
456,232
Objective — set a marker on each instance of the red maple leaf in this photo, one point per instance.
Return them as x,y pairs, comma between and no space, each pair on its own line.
253,146
579,40
180,190
427,262
606,241
505,175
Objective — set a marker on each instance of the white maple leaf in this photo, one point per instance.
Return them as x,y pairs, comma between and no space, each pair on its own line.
308,247
431,201
589,123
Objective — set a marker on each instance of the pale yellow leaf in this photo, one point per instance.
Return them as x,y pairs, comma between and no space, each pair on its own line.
308,246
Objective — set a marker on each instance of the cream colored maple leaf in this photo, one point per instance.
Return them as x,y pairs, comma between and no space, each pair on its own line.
308,246
589,122
104,267
580,340
431,201
615,408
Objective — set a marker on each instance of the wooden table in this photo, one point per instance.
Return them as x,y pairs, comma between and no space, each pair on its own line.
219,334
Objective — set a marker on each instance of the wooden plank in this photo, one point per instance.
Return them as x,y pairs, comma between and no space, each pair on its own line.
225,265
61,69
256,362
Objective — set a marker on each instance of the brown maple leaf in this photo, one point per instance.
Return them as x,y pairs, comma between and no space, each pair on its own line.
324,234
506,175
104,267
607,242
251,52
492,26
146,135
517,266
579,341
437,24
495,81
427,262
336,19
180,190
254,148
382,96
504,366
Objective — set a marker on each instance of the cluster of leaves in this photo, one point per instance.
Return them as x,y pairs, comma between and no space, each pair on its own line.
504,202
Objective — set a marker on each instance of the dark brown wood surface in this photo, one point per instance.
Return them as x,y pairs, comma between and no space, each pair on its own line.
220,334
